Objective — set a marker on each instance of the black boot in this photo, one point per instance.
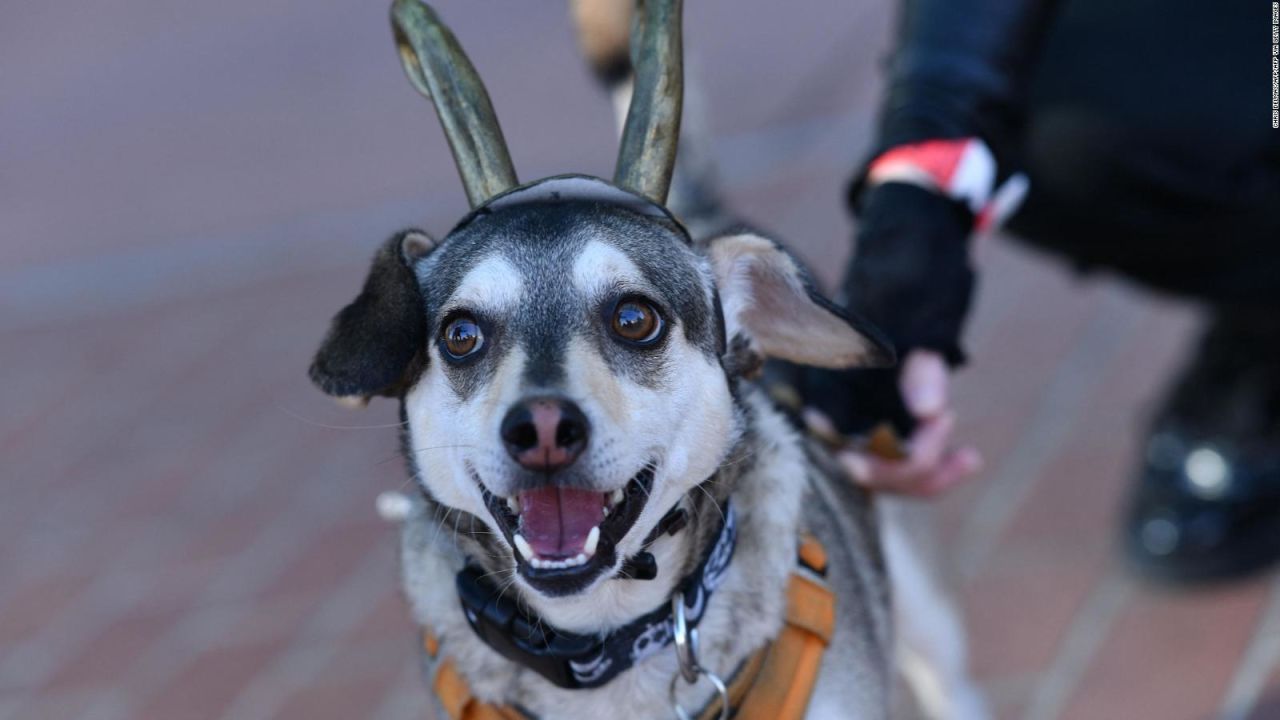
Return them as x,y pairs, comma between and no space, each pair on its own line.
1207,507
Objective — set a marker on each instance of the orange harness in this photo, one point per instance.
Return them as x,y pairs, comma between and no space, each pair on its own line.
774,683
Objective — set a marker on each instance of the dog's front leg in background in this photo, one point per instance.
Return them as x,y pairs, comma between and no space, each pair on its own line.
930,645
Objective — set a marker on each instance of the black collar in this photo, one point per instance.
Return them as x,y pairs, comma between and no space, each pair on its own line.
570,660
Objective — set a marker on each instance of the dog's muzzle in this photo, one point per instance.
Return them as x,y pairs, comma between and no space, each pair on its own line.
564,537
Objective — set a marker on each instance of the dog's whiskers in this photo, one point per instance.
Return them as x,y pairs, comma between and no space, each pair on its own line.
510,582
741,457
714,503
441,524
317,423
410,480
648,493
495,573
415,451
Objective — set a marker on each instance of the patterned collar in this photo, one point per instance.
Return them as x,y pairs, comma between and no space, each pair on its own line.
574,661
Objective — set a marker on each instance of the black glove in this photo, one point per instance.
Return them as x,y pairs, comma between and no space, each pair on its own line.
910,276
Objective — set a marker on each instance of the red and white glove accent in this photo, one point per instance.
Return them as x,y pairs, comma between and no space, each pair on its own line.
963,170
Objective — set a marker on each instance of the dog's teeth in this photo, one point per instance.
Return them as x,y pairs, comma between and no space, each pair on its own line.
593,538
616,497
513,504
575,561
525,549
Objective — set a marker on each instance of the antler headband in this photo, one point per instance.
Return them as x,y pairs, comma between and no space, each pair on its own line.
440,70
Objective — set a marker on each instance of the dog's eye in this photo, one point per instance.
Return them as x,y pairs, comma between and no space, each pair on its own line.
636,321
462,337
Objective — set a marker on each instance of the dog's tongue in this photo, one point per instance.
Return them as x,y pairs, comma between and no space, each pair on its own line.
556,520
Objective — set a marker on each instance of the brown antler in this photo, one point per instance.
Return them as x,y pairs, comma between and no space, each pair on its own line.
647,155
439,69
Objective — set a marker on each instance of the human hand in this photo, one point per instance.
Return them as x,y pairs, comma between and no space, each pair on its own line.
931,464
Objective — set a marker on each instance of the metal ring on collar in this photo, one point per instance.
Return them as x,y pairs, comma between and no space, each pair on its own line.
686,640
686,643
721,690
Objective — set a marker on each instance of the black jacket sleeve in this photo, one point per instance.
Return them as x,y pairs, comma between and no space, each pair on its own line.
960,69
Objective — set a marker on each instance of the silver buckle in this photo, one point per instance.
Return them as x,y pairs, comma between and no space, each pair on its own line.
686,643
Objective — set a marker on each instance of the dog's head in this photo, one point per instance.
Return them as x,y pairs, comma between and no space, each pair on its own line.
562,361
566,362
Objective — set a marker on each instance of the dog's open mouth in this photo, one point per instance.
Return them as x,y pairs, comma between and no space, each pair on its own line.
562,533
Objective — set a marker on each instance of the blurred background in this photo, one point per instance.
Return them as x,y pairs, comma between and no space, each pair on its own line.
188,192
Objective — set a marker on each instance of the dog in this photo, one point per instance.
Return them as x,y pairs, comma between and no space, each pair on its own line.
614,518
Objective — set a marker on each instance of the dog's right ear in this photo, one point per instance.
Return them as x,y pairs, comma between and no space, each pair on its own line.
373,342
772,310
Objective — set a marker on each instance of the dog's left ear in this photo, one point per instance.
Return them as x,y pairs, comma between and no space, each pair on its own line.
770,303
373,342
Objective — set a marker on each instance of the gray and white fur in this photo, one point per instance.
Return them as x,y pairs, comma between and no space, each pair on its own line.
539,274
538,279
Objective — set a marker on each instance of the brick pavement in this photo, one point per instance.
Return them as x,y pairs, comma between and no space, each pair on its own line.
186,528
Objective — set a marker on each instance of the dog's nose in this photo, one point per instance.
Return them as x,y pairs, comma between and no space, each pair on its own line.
545,434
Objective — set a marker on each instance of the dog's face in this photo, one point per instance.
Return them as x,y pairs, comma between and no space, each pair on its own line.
562,370
572,384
